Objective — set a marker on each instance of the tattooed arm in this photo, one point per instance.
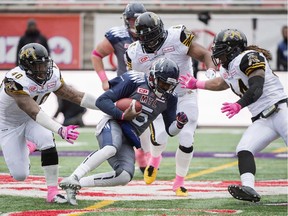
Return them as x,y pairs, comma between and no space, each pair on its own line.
71,94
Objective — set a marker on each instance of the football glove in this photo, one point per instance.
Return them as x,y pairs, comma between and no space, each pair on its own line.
230,109
181,119
69,133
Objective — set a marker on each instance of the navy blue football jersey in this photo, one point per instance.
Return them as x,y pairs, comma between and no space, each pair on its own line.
135,85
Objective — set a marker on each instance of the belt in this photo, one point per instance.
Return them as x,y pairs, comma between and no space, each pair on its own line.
269,111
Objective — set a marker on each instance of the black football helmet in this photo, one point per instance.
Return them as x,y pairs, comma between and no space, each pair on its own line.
150,31
34,59
132,11
227,45
163,77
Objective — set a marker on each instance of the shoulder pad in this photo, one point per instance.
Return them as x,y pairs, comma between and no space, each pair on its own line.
186,36
12,86
252,61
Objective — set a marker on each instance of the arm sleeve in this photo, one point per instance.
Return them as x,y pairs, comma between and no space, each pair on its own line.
122,87
169,115
254,92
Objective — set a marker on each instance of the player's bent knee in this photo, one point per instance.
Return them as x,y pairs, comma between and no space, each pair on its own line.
20,176
124,178
109,151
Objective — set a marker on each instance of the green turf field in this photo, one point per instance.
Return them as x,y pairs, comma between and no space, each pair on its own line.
202,169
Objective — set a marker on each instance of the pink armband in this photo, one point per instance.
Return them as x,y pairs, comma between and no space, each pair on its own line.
95,53
122,117
102,75
200,84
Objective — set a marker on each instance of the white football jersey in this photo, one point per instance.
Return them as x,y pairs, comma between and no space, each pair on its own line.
16,81
237,77
175,47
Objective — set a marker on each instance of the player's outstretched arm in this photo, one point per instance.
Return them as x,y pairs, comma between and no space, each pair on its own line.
29,106
81,98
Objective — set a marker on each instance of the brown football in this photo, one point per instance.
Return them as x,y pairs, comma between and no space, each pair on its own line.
124,103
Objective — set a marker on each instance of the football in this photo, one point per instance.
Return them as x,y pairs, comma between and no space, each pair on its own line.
124,103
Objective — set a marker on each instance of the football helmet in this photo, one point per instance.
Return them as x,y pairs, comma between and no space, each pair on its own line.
163,77
131,12
150,31
34,59
227,45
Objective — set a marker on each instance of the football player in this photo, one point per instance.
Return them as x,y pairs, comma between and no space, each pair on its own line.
245,69
116,41
23,89
118,133
175,43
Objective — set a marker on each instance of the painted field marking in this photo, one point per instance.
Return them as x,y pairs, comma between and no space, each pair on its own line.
211,170
224,166
281,150
94,207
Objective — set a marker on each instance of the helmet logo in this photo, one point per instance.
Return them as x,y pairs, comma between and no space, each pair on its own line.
232,34
27,53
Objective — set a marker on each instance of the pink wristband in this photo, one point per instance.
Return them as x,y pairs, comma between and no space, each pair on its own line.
102,75
200,84
95,53
122,117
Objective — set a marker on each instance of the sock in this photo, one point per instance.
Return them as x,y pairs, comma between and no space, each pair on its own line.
51,175
52,192
155,161
178,182
140,158
94,160
31,146
248,179
156,151
182,162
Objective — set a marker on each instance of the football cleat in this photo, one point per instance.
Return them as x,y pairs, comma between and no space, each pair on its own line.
181,191
245,193
58,198
150,174
71,185
71,195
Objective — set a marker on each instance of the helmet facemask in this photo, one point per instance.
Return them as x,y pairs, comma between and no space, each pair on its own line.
163,77
150,31
40,71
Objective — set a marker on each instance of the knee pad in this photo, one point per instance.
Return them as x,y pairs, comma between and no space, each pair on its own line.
186,149
49,157
123,177
246,162
110,151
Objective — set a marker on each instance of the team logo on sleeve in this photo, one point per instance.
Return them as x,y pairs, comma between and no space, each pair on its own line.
143,91
252,59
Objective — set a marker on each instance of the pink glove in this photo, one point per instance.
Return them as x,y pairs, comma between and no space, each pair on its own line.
231,109
190,82
69,133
